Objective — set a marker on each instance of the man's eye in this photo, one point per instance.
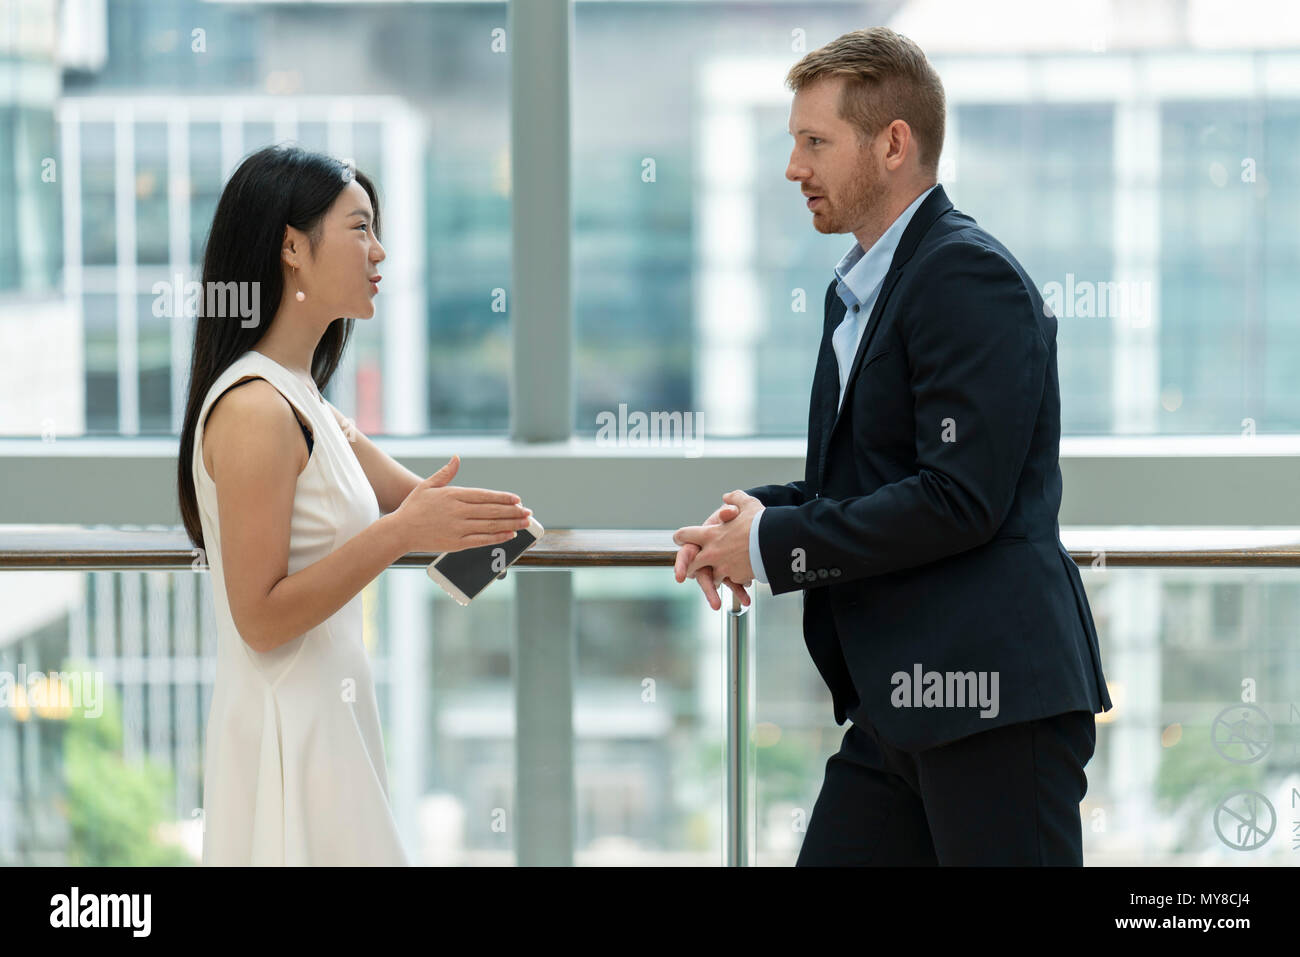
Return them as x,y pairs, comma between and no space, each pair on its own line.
814,139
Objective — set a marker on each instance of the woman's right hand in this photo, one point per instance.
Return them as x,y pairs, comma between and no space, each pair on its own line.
437,517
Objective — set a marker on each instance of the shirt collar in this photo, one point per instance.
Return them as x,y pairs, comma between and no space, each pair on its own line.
860,273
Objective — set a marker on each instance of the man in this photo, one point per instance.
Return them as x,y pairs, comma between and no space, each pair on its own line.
940,606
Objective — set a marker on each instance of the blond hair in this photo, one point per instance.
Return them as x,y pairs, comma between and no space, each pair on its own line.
887,78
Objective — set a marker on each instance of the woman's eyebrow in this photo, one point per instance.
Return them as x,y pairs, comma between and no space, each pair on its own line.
360,212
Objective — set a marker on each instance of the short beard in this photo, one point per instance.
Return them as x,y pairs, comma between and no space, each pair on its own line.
861,201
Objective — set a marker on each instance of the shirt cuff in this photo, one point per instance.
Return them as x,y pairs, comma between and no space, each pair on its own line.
755,556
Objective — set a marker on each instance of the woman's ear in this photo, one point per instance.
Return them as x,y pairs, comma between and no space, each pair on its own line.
292,246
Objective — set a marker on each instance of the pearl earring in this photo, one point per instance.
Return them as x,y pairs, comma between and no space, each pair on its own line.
299,295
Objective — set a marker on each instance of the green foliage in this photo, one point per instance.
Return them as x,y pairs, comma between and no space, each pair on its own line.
113,807
1193,777
787,768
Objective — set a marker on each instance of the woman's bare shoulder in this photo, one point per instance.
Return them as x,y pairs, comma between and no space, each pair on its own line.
251,425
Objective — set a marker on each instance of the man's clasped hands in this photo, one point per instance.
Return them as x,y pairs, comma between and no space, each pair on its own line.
718,550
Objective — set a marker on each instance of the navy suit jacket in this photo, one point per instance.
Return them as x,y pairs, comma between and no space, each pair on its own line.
924,533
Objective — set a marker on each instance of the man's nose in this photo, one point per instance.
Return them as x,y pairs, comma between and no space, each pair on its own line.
794,172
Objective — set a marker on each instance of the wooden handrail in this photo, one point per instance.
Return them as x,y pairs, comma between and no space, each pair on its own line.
71,547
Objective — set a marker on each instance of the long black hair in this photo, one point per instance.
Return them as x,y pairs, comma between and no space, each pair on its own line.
278,186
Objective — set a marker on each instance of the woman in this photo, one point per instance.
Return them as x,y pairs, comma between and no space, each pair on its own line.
296,512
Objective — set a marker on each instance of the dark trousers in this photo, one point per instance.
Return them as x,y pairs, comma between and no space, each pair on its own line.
1008,796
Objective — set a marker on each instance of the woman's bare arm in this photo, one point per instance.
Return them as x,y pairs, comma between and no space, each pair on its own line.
391,480
257,451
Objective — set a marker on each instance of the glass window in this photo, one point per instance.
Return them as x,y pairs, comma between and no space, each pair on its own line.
1159,217
432,132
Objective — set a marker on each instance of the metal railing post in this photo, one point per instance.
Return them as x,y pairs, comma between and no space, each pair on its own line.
735,816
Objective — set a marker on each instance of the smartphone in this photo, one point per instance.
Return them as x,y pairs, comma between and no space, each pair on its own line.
464,574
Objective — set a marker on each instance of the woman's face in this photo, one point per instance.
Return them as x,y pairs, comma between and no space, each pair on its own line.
340,274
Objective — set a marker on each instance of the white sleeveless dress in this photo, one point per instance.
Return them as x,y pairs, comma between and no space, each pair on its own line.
294,770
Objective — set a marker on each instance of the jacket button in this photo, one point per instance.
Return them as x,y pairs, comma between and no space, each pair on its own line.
798,577
821,573
835,573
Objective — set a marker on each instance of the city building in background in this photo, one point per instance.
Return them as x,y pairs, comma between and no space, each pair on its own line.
1141,160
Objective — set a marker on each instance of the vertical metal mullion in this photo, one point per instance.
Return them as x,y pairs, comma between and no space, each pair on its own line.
131,665
232,139
178,253
128,357
404,326
541,392
12,826
544,665
1136,358
409,630
35,798
184,627
539,35
73,277
737,819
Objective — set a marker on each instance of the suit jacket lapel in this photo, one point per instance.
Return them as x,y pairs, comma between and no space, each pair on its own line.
935,205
